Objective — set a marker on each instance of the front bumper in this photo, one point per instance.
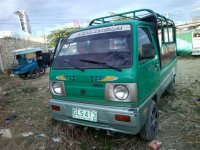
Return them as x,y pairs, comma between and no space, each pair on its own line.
105,116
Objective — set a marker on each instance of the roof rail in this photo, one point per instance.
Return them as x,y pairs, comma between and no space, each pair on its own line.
141,14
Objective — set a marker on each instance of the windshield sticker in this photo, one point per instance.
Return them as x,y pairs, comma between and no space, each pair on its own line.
108,78
101,30
62,78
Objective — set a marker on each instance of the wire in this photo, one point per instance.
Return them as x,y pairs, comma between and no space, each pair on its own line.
45,22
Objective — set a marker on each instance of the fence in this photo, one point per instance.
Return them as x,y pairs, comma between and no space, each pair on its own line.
7,45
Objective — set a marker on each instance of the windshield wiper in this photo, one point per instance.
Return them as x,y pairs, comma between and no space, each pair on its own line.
101,63
67,61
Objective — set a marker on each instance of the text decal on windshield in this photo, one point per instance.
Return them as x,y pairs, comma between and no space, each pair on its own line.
101,30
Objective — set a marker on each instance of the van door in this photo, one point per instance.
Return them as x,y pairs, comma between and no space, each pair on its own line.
148,67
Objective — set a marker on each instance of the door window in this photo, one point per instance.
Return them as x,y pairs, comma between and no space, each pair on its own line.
144,38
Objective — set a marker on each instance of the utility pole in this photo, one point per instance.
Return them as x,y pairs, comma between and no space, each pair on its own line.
1,62
167,15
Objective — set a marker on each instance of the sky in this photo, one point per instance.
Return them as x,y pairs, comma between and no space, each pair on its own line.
48,15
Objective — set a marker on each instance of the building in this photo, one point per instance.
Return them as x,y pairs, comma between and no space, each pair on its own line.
7,34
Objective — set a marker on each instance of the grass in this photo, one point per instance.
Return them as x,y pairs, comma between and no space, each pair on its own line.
179,118
29,90
197,109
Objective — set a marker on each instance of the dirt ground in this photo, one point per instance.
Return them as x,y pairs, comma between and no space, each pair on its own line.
28,101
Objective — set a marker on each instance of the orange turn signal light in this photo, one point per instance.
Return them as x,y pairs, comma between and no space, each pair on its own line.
123,118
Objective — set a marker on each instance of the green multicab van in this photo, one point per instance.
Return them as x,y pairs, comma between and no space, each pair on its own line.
111,74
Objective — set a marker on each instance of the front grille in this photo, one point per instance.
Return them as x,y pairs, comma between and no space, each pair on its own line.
96,78
71,77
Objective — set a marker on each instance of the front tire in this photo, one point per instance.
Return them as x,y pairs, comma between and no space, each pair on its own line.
149,131
23,76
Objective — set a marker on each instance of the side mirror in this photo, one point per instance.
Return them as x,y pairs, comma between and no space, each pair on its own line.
148,51
51,62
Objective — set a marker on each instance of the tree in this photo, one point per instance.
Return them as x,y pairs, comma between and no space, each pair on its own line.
119,18
56,34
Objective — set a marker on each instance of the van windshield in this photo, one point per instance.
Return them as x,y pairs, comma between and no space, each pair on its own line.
108,45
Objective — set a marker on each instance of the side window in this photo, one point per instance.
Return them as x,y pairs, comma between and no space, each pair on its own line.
171,34
144,38
160,37
168,47
168,38
166,35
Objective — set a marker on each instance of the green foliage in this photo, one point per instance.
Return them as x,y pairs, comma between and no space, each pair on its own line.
56,34
29,89
197,109
120,18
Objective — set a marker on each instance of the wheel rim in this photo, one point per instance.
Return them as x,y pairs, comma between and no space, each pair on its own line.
154,119
35,74
41,70
23,75
173,85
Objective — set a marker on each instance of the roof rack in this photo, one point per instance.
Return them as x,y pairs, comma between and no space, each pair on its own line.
141,14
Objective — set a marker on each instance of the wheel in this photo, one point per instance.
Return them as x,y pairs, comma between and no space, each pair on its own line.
23,76
171,87
149,130
35,73
41,70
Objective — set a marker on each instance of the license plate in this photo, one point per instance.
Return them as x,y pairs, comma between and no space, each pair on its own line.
84,114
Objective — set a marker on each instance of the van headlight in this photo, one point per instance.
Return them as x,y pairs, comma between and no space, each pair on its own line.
57,88
121,92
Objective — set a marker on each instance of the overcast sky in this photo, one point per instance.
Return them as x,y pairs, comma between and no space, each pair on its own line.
46,15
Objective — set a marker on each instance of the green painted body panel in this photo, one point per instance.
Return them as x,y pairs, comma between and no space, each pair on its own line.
90,81
148,73
148,79
165,71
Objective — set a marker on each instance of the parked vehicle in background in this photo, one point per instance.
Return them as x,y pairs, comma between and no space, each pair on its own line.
111,74
30,62
196,42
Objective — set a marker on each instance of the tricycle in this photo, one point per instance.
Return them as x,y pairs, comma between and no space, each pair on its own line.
29,62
